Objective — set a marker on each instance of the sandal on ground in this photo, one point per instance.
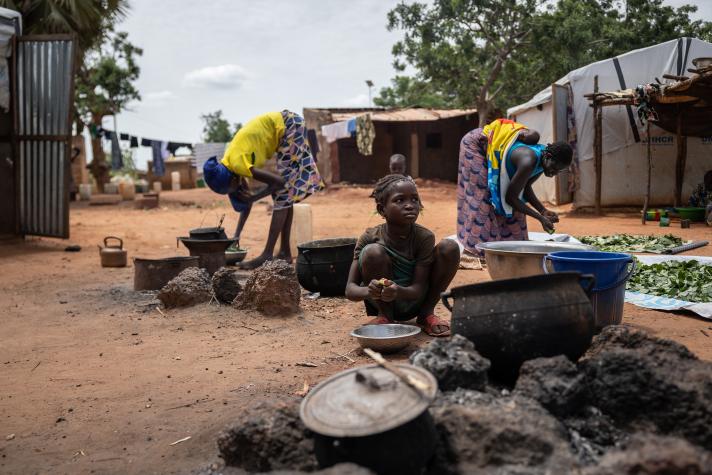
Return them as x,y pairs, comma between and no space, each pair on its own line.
378,321
429,323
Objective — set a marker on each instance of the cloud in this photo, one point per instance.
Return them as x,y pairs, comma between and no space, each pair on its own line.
357,101
225,76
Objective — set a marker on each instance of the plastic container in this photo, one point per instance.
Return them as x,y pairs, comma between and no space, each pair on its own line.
127,190
84,191
157,187
301,226
175,181
695,215
611,270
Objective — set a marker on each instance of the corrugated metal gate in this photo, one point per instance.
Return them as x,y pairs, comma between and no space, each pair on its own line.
43,107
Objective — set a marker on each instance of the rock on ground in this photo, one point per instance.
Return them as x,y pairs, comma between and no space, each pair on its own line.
648,454
454,363
190,287
592,433
555,382
271,289
225,285
647,383
270,436
507,435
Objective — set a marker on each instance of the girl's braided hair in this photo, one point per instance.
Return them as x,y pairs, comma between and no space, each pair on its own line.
385,185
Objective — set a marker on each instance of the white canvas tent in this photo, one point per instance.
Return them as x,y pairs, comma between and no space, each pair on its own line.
561,112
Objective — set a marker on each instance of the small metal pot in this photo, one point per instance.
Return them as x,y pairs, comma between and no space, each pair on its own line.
113,255
208,233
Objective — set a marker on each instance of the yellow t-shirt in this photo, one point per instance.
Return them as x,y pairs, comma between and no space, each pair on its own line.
254,144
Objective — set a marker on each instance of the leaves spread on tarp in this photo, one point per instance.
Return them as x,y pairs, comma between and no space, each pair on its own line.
684,280
632,242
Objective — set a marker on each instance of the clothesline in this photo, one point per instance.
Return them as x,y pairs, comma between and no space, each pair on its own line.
160,149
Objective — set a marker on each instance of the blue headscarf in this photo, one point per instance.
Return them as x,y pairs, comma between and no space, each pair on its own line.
217,176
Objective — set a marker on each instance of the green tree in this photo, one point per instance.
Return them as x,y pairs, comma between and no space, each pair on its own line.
217,129
405,91
574,33
459,48
105,86
106,67
462,53
88,19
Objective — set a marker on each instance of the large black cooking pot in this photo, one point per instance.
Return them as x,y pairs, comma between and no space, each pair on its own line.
514,320
323,265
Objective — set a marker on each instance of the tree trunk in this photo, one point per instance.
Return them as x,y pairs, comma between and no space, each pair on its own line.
483,112
98,166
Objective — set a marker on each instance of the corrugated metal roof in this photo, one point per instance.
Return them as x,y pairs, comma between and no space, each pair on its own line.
406,115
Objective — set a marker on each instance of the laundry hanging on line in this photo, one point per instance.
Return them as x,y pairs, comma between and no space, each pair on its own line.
117,160
336,131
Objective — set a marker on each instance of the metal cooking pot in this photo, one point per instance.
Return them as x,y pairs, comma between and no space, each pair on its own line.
369,417
514,320
113,255
512,259
323,265
154,274
208,233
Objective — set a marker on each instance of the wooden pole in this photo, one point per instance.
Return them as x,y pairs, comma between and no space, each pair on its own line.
597,143
650,173
680,160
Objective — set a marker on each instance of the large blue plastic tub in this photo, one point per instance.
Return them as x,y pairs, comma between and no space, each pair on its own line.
611,269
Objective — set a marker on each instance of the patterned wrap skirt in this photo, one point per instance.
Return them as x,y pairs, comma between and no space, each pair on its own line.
295,164
476,219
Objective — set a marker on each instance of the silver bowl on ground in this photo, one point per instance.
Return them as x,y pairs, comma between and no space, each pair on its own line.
233,257
386,338
512,259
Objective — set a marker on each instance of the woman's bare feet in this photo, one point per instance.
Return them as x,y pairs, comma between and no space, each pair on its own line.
284,257
256,262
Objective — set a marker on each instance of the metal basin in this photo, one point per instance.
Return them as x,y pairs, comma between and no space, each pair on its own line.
512,259
387,338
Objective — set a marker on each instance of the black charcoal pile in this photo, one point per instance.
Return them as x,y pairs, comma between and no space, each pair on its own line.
632,405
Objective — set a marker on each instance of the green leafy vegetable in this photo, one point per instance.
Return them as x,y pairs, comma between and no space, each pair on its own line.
684,280
632,242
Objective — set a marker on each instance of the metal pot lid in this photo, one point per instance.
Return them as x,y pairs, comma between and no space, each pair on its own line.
366,400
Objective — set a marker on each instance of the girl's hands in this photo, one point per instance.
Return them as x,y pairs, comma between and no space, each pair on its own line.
382,289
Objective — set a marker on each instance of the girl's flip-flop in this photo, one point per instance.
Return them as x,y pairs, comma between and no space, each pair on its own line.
429,323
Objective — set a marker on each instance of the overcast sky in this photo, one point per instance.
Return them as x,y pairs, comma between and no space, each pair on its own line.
247,57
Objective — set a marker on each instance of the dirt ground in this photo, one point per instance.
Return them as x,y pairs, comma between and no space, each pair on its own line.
95,380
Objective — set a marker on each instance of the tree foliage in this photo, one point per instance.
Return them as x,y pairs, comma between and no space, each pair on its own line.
495,54
459,47
216,129
106,60
88,19
105,81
